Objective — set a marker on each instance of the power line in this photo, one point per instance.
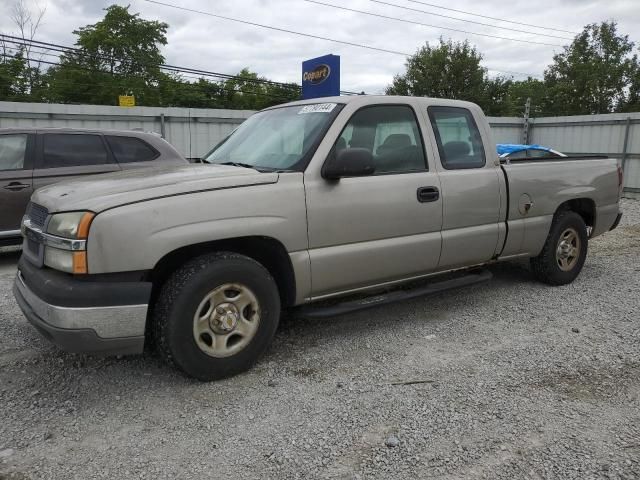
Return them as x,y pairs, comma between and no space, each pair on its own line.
413,22
170,68
490,18
184,87
469,21
66,49
180,70
17,50
269,27
308,35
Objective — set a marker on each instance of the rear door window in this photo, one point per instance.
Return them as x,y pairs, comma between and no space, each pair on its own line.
72,150
131,149
458,138
12,151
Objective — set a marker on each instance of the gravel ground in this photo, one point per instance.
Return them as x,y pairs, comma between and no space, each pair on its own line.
519,380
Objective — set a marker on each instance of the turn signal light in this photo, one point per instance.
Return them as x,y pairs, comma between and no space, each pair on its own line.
83,226
80,262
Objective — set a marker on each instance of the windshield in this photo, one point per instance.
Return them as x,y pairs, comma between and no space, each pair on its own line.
277,139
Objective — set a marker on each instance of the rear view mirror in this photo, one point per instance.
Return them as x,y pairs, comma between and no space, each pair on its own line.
349,162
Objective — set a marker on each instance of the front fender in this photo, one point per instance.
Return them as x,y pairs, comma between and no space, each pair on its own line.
135,237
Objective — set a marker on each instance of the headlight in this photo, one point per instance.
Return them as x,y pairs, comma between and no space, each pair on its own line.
70,225
59,259
69,256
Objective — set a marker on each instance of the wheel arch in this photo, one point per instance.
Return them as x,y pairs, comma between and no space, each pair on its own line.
585,207
267,251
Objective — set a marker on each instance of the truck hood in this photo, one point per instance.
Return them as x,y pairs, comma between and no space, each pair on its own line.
101,192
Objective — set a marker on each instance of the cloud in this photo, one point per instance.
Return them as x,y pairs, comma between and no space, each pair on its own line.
205,42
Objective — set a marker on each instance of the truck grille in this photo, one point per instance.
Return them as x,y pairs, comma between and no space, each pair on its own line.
37,214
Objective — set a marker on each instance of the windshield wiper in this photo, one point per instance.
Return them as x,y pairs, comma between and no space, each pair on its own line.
237,164
259,168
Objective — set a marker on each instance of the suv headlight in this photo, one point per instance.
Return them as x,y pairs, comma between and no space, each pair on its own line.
69,254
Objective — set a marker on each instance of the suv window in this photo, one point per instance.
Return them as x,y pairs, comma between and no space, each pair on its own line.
458,137
71,150
390,133
12,150
131,149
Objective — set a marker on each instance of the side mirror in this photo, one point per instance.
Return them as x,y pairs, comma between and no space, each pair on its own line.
349,162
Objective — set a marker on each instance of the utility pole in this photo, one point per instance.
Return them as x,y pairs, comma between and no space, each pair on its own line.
525,124
625,144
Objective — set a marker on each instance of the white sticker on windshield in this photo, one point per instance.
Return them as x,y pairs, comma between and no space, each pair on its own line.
318,108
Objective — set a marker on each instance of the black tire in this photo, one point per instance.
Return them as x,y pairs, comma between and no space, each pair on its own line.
545,266
182,294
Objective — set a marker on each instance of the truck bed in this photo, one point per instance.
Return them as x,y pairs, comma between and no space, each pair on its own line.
545,183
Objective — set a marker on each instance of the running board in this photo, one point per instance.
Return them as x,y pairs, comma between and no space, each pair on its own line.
319,311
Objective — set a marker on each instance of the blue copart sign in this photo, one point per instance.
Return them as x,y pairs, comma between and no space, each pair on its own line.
321,77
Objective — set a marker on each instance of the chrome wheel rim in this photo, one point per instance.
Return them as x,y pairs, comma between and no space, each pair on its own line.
568,249
226,320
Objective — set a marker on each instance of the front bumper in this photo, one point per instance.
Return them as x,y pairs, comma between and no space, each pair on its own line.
83,316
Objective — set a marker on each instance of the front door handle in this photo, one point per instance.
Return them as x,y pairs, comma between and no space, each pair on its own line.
428,194
16,186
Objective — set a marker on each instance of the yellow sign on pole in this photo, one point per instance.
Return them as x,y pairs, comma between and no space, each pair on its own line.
127,100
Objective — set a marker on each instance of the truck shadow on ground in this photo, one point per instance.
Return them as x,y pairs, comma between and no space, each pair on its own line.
504,275
294,339
304,350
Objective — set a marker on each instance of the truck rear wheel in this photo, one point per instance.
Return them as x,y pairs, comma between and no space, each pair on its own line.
564,252
216,315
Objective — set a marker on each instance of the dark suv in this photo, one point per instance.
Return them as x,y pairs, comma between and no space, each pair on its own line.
31,158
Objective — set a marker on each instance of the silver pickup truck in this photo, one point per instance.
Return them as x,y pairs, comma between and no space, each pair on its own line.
304,205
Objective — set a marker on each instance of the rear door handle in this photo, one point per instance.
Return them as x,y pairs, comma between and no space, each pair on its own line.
15,186
428,194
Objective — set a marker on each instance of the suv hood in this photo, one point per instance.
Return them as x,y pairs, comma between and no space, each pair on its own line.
101,192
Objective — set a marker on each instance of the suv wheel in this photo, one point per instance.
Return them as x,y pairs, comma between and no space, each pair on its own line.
216,315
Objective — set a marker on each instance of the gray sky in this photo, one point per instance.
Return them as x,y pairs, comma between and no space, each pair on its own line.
208,43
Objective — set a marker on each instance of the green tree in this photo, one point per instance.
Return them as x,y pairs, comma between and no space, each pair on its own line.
448,70
118,55
121,55
20,73
452,70
176,92
248,91
495,99
19,82
520,90
593,74
13,77
633,100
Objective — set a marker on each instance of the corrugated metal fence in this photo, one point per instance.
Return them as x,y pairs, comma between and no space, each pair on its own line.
194,131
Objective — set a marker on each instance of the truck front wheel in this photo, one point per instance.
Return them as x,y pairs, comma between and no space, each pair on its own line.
216,315
564,251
